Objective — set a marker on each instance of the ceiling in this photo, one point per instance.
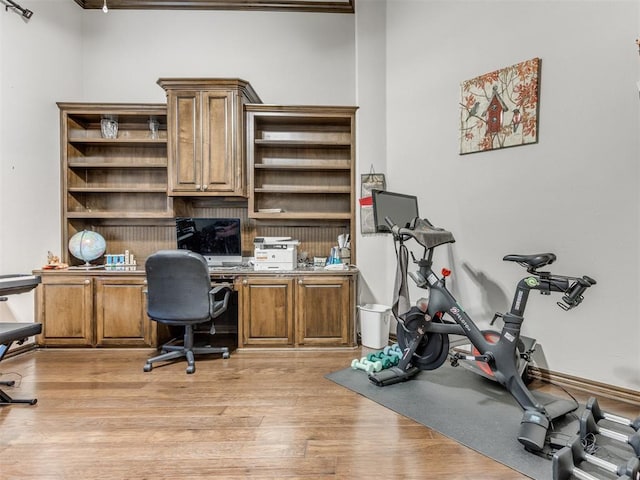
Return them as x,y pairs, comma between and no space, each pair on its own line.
336,6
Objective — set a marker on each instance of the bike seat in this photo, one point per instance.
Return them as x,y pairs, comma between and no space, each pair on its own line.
534,261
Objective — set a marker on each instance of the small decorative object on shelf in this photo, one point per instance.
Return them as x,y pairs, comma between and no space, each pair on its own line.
109,126
54,263
154,127
121,261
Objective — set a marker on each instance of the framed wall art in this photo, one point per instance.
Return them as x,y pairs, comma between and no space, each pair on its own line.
368,182
500,109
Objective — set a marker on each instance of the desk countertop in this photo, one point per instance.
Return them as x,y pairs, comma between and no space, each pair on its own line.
226,272
298,271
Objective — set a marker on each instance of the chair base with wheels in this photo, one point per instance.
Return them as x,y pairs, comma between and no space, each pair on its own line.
170,351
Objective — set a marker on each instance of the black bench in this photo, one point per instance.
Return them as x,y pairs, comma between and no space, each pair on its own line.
15,332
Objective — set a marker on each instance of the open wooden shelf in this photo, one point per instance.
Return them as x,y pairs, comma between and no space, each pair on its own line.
121,179
301,163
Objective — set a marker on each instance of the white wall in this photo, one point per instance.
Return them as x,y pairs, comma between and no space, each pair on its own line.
574,193
289,58
40,63
371,141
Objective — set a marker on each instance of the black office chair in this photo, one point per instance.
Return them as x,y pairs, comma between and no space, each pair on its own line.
179,293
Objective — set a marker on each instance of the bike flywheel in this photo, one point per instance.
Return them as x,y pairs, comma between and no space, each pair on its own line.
433,348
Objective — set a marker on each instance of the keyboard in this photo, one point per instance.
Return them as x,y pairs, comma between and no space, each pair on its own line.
229,266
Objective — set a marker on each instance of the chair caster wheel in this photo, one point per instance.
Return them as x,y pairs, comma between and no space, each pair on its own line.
191,369
147,367
225,355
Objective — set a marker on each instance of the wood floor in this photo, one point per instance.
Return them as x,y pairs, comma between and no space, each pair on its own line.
269,415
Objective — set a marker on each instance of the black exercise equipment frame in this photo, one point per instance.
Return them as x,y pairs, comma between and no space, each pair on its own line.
423,336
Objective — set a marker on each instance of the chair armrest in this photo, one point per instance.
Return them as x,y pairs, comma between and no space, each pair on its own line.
217,307
219,287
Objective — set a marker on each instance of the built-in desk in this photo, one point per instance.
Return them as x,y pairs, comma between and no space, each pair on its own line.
102,308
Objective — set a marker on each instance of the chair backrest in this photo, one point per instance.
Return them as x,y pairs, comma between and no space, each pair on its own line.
178,287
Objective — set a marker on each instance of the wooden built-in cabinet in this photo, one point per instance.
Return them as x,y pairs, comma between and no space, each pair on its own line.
206,135
64,306
296,310
93,310
120,312
324,311
266,311
115,186
214,151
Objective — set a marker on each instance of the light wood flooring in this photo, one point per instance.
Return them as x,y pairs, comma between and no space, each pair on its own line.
267,414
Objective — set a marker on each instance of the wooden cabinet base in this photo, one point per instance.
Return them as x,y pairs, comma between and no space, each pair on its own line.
93,310
296,311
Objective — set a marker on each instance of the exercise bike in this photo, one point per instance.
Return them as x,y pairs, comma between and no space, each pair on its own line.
423,329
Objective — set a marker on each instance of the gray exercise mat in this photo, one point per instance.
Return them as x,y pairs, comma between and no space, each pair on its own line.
469,409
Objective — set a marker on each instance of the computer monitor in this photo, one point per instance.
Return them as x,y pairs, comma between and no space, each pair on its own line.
218,240
400,208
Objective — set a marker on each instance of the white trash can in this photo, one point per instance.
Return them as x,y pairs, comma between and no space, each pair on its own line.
374,325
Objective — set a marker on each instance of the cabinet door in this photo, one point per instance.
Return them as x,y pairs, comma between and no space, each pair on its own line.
206,156
121,318
323,313
266,313
222,170
65,309
184,142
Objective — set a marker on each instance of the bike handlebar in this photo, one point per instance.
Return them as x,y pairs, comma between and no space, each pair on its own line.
574,297
394,228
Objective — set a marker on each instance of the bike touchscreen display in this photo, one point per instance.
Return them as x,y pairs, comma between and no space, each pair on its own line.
400,208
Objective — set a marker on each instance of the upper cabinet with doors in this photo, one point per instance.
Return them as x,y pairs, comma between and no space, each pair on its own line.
206,135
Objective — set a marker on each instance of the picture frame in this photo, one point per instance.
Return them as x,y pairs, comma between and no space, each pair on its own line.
499,109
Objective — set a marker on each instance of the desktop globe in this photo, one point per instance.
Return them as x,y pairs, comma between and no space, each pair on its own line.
87,246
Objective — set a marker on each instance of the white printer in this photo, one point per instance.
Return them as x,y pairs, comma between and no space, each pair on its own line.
275,253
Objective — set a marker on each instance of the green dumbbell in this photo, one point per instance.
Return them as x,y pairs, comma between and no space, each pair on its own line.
375,356
358,365
393,350
388,360
393,360
375,366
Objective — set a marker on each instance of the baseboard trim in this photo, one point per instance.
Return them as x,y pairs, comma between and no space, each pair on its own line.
588,386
